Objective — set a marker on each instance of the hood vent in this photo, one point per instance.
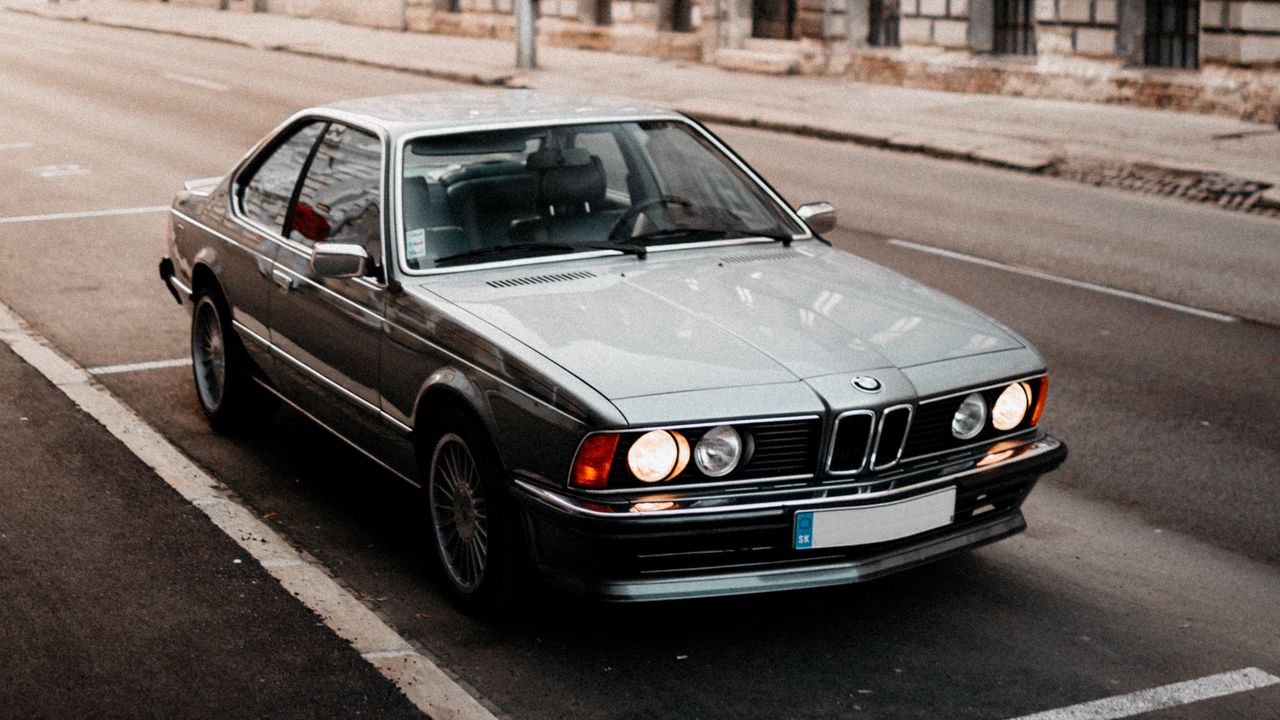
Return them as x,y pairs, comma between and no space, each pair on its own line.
753,257
541,279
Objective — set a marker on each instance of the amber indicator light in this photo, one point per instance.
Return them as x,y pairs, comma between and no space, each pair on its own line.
1041,394
595,458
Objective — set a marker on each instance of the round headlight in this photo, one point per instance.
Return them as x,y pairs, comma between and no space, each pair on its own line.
719,451
1011,407
970,417
658,455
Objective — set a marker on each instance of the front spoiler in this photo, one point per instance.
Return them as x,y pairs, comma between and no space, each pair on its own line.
798,578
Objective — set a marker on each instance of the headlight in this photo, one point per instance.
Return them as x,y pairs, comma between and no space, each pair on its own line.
719,451
1011,407
970,417
658,455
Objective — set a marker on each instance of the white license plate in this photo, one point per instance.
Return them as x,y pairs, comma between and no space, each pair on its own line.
874,523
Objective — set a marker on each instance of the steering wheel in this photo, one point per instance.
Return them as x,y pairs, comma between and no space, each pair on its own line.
635,210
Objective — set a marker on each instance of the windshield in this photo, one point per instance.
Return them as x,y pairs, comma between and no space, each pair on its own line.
502,194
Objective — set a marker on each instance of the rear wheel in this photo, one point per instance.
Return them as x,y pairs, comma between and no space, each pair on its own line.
473,526
224,388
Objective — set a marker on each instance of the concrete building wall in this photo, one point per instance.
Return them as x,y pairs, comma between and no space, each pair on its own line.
372,13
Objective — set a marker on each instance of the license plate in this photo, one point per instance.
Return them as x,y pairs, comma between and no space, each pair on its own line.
874,523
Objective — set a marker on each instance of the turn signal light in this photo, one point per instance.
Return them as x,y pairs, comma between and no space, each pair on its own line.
1041,394
595,459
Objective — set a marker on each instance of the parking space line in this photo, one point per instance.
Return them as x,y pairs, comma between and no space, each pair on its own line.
1161,698
423,682
198,82
139,366
83,214
1199,312
15,146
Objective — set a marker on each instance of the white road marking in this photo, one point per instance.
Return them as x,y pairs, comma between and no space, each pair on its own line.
198,82
1199,312
84,214
15,146
137,367
67,170
421,681
1161,698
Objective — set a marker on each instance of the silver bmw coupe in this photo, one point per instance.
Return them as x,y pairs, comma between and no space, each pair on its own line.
603,348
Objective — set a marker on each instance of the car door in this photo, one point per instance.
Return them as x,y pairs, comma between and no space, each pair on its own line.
259,203
328,331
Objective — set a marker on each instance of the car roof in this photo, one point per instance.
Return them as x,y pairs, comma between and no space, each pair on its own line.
406,114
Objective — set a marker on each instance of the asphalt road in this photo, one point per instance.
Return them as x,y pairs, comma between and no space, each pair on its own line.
1152,555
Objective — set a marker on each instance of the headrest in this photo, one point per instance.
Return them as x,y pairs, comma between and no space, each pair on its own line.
557,157
572,184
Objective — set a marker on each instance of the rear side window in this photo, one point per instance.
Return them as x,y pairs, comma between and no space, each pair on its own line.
265,194
339,199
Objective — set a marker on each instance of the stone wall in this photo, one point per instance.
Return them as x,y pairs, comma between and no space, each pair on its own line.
943,23
1241,32
1077,27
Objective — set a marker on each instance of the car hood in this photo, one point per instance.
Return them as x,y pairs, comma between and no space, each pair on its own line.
722,317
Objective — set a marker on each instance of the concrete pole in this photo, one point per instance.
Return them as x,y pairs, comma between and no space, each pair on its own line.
526,53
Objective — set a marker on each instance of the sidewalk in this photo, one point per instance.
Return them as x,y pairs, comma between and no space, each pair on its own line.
1095,143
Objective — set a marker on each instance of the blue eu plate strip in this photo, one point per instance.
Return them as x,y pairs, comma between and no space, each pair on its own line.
804,530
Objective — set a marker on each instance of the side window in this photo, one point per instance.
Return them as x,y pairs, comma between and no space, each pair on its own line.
264,196
340,197
605,146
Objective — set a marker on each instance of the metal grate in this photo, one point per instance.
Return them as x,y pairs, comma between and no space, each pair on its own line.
541,279
851,441
753,257
892,436
883,15
1173,33
1015,32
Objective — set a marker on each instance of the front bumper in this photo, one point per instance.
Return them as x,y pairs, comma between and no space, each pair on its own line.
730,542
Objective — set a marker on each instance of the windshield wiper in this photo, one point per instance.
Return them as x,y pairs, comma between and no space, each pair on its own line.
703,233
639,251
524,247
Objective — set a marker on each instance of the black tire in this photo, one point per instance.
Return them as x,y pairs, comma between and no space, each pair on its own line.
224,387
472,524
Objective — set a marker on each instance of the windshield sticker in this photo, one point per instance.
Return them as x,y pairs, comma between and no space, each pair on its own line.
417,244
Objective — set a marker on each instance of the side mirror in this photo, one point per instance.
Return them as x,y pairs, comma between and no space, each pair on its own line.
819,216
339,260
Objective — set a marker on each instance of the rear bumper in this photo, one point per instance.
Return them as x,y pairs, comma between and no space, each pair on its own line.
742,542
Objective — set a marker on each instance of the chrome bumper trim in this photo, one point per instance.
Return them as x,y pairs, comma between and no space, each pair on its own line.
786,499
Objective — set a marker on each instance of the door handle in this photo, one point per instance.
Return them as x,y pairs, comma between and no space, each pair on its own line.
283,279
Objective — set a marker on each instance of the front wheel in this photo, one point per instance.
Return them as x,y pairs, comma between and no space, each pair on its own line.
472,522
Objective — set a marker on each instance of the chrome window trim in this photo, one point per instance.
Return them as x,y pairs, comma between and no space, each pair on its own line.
992,386
875,452
368,406
568,484
356,446
380,134
398,178
1030,451
866,452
